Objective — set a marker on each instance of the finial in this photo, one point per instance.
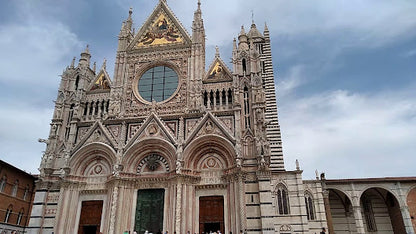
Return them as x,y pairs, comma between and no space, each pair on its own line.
87,50
104,66
266,29
317,174
242,30
297,165
130,11
94,66
199,4
252,17
73,62
217,51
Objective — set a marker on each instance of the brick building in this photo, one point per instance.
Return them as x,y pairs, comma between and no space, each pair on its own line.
16,195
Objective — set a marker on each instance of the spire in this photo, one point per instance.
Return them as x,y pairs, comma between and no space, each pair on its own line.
234,44
73,62
129,21
254,32
266,31
198,31
94,66
104,66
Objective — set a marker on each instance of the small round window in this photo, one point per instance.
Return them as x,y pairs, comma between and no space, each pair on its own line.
158,83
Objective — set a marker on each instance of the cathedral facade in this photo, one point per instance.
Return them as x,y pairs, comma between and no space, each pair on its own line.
170,145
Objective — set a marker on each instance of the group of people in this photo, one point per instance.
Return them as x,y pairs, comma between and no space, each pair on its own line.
217,232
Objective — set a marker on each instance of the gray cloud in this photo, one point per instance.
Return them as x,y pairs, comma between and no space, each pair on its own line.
372,135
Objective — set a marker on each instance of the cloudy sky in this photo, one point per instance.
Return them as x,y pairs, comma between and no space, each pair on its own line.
345,73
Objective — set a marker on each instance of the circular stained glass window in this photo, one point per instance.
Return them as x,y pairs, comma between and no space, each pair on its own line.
158,83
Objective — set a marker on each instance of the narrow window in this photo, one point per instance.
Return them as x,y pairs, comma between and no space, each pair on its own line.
246,107
263,67
85,108
230,96
15,188
309,207
76,83
26,192
205,99
8,213
282,200
244,66
20,216
3,183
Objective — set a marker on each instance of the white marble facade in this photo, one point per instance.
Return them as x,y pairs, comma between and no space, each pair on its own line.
213,132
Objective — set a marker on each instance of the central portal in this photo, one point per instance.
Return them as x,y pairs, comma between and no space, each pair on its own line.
211,214
149,210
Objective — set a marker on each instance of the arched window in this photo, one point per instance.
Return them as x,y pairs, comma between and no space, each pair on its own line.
8,213
282,200
244,65
26,192
3,183
76,83
15,188
20,216
309,206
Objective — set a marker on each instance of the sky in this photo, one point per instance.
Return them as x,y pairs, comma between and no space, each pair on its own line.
345,73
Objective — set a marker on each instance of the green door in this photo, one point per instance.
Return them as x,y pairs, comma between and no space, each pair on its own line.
149,210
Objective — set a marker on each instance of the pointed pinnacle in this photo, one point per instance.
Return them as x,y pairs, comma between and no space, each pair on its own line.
217,51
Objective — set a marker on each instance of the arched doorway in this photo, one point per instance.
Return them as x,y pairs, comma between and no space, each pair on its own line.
381,212
342,213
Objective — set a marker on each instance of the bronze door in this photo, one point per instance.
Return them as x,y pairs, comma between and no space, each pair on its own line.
149,210
211,214
90,219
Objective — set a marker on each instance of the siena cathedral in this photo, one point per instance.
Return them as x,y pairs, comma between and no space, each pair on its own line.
168,144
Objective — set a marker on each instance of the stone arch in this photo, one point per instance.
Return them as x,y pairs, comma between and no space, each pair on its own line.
137,156
93,159
341,209
381,211
219,147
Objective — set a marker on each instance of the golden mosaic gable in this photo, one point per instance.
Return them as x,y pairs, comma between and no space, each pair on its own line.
161,31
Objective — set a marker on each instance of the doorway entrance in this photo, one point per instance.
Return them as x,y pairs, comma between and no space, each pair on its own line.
149,210
90,219
211,214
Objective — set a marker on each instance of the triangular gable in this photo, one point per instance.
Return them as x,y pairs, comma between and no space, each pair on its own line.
102,82
97,133
152,127
210,125
161,28
218,72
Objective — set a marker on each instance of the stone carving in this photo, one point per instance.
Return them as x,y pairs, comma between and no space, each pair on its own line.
153,162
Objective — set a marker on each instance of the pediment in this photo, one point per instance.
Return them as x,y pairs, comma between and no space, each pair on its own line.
218,72
210,125
101,83
97,133
152,127
162,28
